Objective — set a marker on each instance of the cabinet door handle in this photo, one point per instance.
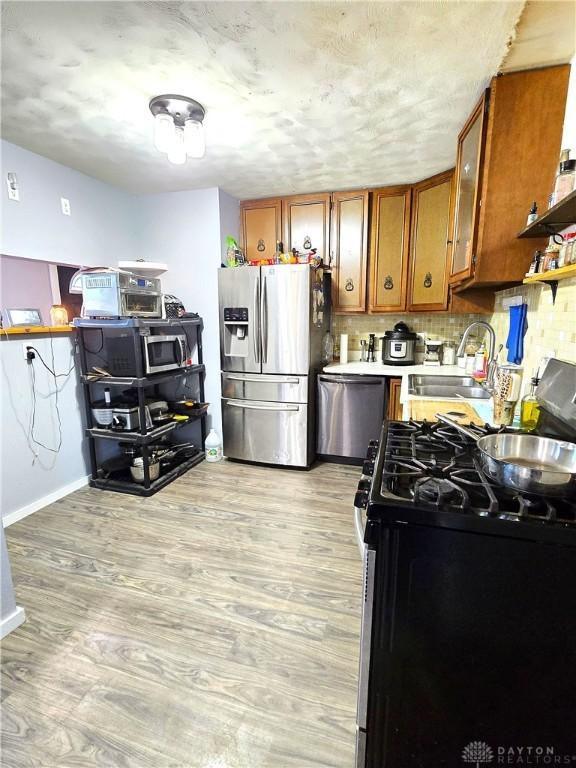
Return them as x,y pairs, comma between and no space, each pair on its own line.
428,280
388,283
349,284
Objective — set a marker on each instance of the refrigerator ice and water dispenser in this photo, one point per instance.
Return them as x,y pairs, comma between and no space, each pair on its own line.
236,331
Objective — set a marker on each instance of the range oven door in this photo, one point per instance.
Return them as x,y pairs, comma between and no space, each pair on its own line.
365,648
164,353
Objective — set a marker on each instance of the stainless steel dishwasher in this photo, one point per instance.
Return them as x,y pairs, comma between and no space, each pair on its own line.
350,414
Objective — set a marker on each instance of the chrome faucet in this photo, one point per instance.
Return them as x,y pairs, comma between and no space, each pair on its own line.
489,383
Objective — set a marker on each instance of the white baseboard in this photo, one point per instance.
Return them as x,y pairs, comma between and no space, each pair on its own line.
11,622
50,498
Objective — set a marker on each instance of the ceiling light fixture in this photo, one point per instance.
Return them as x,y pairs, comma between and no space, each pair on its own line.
178,128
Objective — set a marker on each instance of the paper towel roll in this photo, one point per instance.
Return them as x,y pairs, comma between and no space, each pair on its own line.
343,347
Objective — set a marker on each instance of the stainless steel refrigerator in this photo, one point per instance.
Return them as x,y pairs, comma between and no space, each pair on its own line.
272,320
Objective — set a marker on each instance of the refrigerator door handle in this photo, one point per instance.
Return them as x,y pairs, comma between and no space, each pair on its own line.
365,637
262,378
256,320
264,320
252,406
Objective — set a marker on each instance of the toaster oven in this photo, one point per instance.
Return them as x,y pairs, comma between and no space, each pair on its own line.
115,293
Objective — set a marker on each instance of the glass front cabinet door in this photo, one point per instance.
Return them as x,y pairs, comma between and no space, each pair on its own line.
468,187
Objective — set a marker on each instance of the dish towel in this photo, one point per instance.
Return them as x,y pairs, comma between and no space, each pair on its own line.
516,333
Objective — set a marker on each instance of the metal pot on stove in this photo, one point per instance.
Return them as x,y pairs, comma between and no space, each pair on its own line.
399,345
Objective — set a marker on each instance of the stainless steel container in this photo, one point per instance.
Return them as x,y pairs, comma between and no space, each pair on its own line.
137,469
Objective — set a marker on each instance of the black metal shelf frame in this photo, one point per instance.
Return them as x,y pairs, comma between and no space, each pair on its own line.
141,383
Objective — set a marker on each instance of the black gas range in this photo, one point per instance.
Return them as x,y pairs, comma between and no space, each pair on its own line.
468,643
433,469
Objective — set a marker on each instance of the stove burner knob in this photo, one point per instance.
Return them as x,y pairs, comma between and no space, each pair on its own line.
361,499
368,467
373,443
372,453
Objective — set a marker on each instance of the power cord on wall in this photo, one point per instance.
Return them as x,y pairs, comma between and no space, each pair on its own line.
31,353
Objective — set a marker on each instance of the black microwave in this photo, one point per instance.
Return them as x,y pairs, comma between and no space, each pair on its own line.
159,352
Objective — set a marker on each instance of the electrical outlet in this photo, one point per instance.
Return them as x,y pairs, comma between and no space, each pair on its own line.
65,206
12,184
25,350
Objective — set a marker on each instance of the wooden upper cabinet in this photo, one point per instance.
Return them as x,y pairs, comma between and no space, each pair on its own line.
389,235
430,243
517,162
350,250
467,195
307,223
261,227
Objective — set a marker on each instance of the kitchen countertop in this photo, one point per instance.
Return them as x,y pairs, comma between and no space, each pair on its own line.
482,407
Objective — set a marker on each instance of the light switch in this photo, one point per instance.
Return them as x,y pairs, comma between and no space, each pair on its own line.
12,183
65,206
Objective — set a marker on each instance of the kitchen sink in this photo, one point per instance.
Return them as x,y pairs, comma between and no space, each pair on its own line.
446,386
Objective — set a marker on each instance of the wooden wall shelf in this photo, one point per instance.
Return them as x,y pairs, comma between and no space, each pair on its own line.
552,276
25,330
557,218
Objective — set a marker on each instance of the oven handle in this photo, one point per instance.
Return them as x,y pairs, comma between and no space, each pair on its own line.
359,529
179,347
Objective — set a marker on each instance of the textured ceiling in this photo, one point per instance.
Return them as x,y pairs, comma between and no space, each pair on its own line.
545,35
299,96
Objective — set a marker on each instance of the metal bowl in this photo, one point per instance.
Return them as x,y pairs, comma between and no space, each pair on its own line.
530,463
137,470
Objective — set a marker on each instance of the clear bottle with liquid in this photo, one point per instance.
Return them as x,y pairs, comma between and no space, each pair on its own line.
328,348
530,407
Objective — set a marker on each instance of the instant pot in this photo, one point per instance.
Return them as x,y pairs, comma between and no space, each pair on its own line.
399,346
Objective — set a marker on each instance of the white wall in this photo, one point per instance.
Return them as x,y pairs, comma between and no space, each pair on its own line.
31,475
101,229
229,220
183,230
569,132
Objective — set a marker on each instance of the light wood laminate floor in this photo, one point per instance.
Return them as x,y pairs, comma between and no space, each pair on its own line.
214,625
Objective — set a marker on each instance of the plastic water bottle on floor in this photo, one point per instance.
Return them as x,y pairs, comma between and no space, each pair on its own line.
213,446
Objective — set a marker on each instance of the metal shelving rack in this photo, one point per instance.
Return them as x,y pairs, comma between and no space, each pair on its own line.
143,437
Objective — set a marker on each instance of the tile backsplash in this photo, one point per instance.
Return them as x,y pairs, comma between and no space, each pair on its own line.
426,324
551,327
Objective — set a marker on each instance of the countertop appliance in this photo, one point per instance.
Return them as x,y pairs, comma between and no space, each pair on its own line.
161,352
272,321
116,293
350,414
432,348
399,345
468,620
125,418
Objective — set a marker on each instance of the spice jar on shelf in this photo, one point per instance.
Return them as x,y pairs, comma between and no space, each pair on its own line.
551,255
565,181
